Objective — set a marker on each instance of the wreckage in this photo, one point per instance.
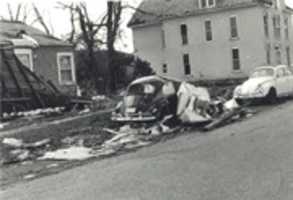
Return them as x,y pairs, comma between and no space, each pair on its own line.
22,90
154,97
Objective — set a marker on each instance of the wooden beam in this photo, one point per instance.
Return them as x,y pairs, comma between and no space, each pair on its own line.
35,94
4,57
20,99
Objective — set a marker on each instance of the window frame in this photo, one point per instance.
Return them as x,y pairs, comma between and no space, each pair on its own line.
238,59
277,26
208,33
268,54
206,4
186,64
266,18
288,55
286,27
73,73
163,36
28,52
184,34
236,27
164,68
278,56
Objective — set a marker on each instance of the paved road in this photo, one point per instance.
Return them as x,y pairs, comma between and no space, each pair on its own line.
251,160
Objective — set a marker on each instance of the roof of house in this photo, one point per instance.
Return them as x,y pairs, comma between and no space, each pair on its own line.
153,11
9,31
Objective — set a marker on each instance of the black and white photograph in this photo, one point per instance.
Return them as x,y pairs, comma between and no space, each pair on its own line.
146,99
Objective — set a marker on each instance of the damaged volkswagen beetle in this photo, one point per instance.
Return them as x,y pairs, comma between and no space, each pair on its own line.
147,99
266,82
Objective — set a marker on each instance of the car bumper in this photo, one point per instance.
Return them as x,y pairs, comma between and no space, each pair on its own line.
250,96
120,118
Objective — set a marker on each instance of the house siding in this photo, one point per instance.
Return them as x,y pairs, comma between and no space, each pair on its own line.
210,59
45,65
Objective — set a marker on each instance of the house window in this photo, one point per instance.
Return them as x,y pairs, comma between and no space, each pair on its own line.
208,30
207,3
186,63
278,56
277,26
236,59
268,53
163,39
286,27
266,24
165,68
66,68
233,27
288,56
184,33
25,57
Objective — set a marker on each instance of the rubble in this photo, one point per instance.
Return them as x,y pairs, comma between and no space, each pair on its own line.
18,143
29,176
71,153
231,104
12,142
2,125
190,105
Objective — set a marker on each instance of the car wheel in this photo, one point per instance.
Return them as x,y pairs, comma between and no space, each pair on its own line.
272,96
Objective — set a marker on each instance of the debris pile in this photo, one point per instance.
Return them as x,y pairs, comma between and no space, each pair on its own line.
34,113
149,99
18,151
152,109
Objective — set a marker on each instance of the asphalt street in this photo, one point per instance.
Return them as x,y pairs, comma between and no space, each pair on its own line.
249,160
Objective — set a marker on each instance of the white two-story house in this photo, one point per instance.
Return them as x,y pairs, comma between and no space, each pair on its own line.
212,39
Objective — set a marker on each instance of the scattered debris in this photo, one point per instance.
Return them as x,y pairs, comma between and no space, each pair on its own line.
71,153
231,104
17,143
86,110
224,118
12,142
29,176
2,125
52,165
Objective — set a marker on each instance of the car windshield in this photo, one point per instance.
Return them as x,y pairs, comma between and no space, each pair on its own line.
264,72
149,88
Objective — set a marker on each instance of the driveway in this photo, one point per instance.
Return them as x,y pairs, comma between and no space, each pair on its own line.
250,160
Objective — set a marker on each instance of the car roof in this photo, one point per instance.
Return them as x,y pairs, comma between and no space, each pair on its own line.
147,79
271,67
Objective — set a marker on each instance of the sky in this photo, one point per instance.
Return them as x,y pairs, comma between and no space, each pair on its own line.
58,19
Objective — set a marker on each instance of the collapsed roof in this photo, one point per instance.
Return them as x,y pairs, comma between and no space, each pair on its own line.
11,31
21,89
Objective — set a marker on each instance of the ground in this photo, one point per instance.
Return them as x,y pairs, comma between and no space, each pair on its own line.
251,159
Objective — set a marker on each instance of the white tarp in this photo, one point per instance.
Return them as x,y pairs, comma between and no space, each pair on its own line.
192,103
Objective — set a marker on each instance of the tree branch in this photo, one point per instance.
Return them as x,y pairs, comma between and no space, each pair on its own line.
40,19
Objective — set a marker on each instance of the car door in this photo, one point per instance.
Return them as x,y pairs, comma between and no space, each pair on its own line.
280,82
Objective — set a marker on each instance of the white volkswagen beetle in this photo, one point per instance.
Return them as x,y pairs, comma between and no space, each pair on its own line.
266,82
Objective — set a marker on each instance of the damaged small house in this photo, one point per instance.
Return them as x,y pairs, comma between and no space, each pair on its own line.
35,68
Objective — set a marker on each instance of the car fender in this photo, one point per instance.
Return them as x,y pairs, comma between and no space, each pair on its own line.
267,86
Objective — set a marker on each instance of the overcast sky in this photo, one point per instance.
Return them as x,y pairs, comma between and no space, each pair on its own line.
59,19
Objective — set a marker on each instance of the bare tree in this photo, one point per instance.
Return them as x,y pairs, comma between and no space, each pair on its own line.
40,19
88,36
113,22
20,14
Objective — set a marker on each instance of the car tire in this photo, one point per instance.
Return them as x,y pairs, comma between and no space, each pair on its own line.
271,97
